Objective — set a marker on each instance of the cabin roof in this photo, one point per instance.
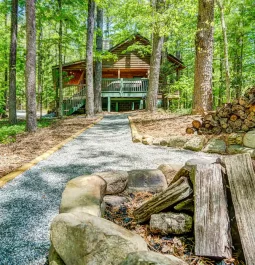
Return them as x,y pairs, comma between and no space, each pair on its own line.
133,38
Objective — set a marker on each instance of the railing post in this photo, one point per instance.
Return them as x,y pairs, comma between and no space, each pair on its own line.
121,86
109,104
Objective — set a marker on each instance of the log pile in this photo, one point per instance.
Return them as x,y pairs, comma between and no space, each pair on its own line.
232,117
205,184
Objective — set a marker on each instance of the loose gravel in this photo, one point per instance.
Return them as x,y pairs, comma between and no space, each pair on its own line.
31,201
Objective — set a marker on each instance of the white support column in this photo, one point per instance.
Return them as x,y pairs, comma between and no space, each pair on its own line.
133,105
109,104
141,104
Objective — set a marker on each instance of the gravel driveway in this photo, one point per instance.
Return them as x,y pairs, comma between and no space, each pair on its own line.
31,201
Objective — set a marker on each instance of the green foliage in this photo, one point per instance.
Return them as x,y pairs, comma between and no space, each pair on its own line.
8,132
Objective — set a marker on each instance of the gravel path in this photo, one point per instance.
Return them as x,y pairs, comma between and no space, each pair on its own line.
30,202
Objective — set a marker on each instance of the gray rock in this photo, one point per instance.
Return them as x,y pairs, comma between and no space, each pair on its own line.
196,143
151,258
114,201
147,140
83,194
156,141
215,146
86,239
187,205
171,223
137,138
152,180
177,141
249,139
238,149
169,171
116,181
163,142
54,258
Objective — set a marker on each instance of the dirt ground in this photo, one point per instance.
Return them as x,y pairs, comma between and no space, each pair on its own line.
28,146
162,124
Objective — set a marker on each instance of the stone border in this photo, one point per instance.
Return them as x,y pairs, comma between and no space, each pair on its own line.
230,144
81,210
4,180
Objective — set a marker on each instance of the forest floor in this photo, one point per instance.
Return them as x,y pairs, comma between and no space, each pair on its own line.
28,146
162,124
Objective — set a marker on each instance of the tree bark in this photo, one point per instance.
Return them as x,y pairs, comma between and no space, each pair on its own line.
12,66
157,44
89,60
40,70
225,39
202,97
30,74
60,62
98,66
6,58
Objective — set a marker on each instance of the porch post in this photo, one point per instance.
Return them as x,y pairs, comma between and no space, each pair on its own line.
141,104
133,105
109,104
118,73
117,106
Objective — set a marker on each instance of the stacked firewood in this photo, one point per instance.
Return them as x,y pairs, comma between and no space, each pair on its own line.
232,117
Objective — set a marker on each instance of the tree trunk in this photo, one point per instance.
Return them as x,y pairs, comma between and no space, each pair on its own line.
12,70
157,44
98,66
30,67
40,70
60,62
202,97
89,60
224,32
6,58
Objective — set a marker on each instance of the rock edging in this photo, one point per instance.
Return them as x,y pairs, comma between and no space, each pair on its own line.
234,143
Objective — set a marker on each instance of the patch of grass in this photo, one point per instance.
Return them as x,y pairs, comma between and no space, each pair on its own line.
8,132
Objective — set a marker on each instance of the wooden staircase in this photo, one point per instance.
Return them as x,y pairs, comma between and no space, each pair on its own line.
74,103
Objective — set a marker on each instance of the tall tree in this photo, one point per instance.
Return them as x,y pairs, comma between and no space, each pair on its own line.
60,61
98,65
31,123
12,64
157,44
40,68
202,98
89,59
225,39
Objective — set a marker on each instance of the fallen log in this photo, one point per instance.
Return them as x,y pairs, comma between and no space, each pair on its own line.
212,226
175,193
241,179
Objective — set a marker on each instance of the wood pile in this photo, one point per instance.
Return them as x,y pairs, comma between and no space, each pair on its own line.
232,117
206,184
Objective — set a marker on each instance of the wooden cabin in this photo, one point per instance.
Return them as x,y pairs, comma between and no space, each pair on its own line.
124,78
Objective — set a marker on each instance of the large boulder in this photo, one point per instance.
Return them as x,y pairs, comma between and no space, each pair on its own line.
85,239
152,180
249,139
196,143
83,194
215,146
171,223
169,171
54,258
116,181
151,258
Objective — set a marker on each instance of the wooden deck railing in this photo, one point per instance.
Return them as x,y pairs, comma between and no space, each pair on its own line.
123,85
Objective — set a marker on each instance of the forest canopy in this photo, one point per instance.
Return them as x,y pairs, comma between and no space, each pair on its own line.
178,25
